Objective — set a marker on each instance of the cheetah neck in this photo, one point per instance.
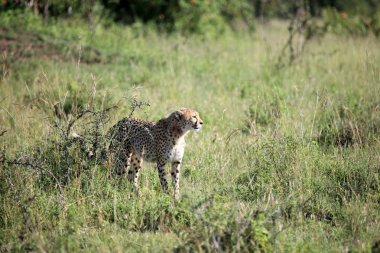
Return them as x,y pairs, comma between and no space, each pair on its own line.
173,129
176,132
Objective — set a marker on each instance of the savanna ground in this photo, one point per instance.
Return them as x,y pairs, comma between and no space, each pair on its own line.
288,159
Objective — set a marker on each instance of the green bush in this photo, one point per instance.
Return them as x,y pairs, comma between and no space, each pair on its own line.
212,16
346,22
187,16
52,8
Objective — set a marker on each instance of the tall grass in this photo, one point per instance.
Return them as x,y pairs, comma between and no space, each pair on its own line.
288,159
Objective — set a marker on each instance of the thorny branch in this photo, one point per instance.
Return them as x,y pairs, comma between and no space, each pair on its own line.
136,105
40,160
26,160
30,164
84,112
68,154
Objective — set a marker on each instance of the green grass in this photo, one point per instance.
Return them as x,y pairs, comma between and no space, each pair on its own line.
288,159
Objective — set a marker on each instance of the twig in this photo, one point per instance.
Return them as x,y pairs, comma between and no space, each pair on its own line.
15,162
71,123
234,131
83,113
3,132
137,104
3,160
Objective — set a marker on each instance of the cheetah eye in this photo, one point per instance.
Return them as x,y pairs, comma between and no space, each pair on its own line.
194,116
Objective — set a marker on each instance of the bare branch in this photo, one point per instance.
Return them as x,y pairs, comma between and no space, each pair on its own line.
71,123
137,104
299,25
83,113
20,163
2,132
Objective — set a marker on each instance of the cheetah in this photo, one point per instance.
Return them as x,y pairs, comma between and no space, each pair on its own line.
134,141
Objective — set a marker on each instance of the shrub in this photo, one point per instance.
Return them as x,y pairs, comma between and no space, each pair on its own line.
356,24
222,228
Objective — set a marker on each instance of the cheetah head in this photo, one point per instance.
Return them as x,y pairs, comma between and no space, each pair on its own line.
188,119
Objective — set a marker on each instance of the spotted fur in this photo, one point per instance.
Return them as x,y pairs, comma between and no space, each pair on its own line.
135,141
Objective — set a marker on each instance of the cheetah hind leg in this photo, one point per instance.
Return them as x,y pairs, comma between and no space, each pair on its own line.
122,161
134,171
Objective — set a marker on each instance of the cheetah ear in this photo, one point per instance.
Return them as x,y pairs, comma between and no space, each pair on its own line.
178,114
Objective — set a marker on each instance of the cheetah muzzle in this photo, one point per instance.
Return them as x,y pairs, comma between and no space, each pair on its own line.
134,141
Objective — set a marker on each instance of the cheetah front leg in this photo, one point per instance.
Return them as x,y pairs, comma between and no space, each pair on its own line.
134,171
175,178
162,175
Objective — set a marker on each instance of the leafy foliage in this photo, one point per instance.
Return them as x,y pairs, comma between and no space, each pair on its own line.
209,17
